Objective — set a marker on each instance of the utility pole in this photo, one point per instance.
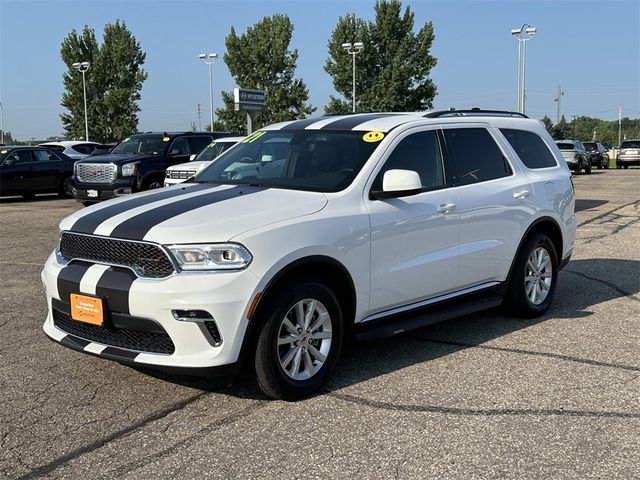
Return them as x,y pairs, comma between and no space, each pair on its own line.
619,125
558,100
199,119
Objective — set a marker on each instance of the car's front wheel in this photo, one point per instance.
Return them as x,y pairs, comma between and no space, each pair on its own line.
533,279
300,339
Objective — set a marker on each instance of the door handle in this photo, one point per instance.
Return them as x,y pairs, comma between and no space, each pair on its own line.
522,194
446,207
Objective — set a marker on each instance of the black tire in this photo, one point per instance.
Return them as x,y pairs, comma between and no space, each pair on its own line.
88,204
28,196
618,166
516,301
626,167
267,370
152,183
65,190
587,167
605,165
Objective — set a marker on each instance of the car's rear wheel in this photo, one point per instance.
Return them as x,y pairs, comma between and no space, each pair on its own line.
533,279
300,339
587,167
66,188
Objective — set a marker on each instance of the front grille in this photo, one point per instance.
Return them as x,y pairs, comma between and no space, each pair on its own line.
180,174
96,172
152,342
146,259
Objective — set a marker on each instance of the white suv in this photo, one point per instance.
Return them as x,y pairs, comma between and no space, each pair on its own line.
314,231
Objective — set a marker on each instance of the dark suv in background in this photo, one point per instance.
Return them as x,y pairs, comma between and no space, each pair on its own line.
137,163
597,154
28,171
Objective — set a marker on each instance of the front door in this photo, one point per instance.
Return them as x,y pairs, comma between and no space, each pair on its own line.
414,239
16,173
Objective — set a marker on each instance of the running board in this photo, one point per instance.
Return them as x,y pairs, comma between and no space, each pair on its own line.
422,318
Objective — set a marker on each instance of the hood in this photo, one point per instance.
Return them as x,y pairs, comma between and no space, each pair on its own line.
190,166
193,213
118,159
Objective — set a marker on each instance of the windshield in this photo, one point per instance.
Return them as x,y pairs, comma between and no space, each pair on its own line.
213,150
589,145
146,144
631,144
316,160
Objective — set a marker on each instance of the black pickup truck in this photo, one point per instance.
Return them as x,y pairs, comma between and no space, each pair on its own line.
137,163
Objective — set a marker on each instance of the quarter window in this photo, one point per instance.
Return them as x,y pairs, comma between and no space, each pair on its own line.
476,155
531,149
419,152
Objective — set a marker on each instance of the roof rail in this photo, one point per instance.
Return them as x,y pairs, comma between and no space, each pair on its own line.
452,112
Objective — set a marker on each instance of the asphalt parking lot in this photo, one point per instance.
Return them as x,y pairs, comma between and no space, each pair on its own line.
484,396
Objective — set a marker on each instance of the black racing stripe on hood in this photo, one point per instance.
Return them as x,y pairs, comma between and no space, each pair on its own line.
301,124
352,122
135,228
90,222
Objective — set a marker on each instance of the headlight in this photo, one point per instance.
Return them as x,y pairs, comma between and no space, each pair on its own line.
215,256
128,169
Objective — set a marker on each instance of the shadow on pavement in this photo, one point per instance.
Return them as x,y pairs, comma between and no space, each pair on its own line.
37,198
588,204
582,284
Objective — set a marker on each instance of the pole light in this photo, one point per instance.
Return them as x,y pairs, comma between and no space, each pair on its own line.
353,49
558,100
83,67
209,58
524,33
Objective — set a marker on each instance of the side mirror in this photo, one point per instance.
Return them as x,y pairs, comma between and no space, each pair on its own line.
9,162
398,183
192,157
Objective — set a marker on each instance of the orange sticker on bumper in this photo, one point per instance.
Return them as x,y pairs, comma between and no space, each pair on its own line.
87,309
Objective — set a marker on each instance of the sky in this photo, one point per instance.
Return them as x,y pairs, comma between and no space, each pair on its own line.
590,48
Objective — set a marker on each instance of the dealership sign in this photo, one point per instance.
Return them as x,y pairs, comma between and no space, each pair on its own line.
248,100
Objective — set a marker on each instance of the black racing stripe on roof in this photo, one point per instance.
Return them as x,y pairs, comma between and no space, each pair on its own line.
136,227
301,124
90,222
351,122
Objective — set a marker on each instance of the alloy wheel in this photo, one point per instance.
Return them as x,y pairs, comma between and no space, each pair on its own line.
304,339
538,276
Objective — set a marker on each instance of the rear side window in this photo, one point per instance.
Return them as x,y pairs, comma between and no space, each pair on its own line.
199,143
476,155
566,146
44,156
531,149
55,148
419,152
84,148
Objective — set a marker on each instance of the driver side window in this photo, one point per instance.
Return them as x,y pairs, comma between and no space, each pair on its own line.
419,152
179,147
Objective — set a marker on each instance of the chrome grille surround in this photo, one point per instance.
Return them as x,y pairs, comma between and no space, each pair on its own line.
96,172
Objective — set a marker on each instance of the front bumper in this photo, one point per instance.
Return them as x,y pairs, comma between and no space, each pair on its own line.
104,191
168,182
225,295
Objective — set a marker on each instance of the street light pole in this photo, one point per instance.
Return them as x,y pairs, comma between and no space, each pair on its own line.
353,49
209,59
523,34
1,123
83,67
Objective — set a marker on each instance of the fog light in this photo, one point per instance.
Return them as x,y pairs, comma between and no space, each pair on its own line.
191,315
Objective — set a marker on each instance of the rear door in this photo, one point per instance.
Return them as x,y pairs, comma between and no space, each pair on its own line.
493,203
47,169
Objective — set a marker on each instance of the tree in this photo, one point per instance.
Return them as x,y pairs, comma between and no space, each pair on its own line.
260,59
548,124
392,72
562,130
113,82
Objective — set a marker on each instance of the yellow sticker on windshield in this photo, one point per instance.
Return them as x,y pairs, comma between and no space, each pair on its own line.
166,139
3,152
373,137
126,139
253,137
